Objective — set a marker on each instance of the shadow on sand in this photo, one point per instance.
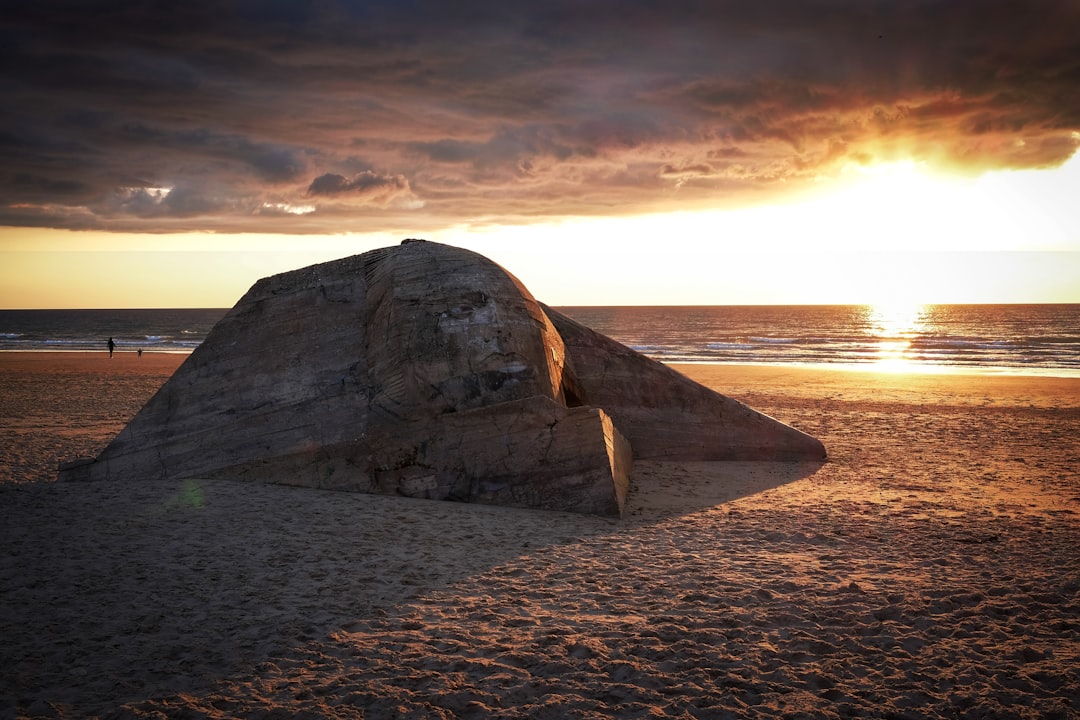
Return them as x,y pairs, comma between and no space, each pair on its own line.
665,488
120,591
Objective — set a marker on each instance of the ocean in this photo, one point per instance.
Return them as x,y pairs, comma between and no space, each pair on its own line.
1007,339
179,330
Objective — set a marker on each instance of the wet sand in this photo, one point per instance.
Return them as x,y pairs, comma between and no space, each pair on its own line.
930,569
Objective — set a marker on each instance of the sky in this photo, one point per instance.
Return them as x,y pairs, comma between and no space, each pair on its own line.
633,152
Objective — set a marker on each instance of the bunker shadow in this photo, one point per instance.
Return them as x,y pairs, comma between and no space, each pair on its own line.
124,590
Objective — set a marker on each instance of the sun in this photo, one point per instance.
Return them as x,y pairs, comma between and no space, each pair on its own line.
896,319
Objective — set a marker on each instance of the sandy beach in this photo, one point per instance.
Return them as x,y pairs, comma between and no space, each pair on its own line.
930,569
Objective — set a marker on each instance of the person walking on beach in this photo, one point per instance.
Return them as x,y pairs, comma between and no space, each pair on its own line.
112,346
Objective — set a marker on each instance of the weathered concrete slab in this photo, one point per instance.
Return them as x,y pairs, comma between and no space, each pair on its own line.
664,414
428,371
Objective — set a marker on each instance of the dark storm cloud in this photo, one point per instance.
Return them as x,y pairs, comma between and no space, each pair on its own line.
347,115
366,186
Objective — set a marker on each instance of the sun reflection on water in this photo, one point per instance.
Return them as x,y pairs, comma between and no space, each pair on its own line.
893,326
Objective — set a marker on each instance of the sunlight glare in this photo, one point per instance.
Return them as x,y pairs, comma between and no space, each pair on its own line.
893,326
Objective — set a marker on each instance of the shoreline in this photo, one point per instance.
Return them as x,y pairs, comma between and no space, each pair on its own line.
905,368
900,368
81,351
748,382
25,360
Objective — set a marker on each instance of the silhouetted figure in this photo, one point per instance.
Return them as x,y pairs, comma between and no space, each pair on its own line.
140,352
112,346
